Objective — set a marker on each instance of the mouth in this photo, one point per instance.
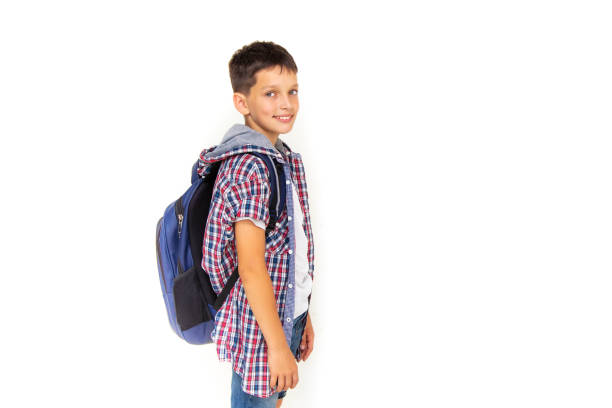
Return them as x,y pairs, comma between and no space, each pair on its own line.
284,119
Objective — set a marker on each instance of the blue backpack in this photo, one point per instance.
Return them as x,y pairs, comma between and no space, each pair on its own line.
190,300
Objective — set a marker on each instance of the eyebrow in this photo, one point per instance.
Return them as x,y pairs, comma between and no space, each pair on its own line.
276,86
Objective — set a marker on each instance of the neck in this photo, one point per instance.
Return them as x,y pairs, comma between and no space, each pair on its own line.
272,137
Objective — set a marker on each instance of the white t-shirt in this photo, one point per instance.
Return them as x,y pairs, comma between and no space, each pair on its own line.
303,281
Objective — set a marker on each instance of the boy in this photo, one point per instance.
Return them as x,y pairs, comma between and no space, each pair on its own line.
264,326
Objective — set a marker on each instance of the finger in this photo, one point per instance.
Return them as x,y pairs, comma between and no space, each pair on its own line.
288,381
281,383
309,347
295,380
273,381
304,349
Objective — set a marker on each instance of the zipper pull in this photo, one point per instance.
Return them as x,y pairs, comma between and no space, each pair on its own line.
180,225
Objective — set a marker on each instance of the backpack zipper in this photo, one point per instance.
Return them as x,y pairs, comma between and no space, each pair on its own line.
178,209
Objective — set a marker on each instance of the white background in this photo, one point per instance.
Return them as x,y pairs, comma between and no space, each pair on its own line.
458,164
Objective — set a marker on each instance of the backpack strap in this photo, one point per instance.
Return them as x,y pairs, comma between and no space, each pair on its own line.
194,172
278,189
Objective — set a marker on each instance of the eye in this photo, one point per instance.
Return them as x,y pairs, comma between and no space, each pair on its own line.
295,90
269,92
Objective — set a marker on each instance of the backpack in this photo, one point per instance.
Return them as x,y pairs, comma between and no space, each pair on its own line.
190,300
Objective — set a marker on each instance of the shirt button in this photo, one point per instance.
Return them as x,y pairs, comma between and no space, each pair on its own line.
289,218
290,286
290,251
286,181
278,224
288,319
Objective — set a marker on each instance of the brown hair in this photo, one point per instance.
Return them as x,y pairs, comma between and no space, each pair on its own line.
248,60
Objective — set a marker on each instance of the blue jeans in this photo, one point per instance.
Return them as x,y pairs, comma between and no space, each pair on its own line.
241,399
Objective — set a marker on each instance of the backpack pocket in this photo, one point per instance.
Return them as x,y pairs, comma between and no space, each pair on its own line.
191,308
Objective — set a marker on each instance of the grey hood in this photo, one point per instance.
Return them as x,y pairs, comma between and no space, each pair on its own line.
241,139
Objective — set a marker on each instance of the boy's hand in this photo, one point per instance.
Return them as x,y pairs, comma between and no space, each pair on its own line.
307,340
283,369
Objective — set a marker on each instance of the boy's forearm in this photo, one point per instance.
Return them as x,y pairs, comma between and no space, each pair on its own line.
260,295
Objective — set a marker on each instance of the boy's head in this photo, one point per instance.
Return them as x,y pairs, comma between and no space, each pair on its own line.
264,81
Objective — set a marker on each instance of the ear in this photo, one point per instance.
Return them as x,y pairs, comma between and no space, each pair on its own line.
240,103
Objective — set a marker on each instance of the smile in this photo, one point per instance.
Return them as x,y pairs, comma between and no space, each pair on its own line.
284,119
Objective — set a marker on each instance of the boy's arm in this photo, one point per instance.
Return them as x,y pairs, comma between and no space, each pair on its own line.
250,198
250,247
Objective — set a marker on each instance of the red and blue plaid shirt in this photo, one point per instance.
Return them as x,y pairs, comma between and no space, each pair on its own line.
242,189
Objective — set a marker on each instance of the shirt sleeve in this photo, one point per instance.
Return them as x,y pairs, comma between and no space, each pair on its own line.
249,198
259,223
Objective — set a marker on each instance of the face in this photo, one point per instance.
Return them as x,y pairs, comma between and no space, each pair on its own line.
272,104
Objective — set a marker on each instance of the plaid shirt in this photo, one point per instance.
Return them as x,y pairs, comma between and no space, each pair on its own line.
242,189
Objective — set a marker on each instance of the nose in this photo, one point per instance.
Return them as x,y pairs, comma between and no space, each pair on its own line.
285,103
